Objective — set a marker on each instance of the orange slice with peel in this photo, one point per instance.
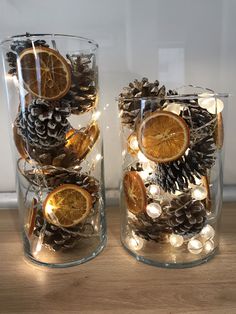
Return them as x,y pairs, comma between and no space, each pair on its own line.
163,136
82,141
32,216
135,192
67,205
45,73
219,131
132,144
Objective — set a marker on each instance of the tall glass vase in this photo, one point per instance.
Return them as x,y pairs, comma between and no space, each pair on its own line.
171,189
52,95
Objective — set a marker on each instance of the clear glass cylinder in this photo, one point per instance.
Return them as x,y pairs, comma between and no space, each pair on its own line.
171,188
52,95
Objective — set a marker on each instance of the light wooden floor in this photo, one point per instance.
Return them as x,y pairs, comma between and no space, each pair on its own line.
114,282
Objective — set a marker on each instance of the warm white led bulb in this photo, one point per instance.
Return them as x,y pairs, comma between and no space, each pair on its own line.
98,157
141,157
209,246
134,143
176,240
154,210
207,232
174,107
96,115
135,243
154,190
144,174
211,104
149,166
199,193
195,246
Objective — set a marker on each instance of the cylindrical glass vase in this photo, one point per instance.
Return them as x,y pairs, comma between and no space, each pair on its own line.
52,94
171,189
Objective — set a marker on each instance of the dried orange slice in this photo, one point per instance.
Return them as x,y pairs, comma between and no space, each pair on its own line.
135,192
219,131
163,136
67,205
132,144
32,216
82,141
45,73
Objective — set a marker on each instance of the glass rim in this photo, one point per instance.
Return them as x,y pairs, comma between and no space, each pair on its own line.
28,35
176,97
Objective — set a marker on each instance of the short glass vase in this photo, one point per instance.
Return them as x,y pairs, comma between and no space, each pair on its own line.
171,188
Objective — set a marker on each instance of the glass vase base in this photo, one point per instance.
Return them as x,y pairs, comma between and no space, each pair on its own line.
30,258
179,265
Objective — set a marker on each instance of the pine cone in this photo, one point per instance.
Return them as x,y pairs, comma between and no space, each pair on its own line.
57,157
200,121
82,95
176,175
150,229
43,125
130,107
57,238
17,47
185,216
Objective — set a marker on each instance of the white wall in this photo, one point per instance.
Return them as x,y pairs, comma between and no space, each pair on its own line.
178,42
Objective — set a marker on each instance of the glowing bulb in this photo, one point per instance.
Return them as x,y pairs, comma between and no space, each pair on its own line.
154,210
176,240
144,174
211,104
133,143
209,246
154,190
96,115
120,113
49,209
98,157
207,232
8,77
197,180
174,107
135,243
195,246
141,157
39,244
199,193
149,166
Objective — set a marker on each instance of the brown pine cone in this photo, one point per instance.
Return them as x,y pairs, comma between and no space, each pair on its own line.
83,93
185,216
130,103
56,238
177,174
43,125
150,229
58,157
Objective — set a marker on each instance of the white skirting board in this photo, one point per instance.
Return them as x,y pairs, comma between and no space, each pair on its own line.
9,200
